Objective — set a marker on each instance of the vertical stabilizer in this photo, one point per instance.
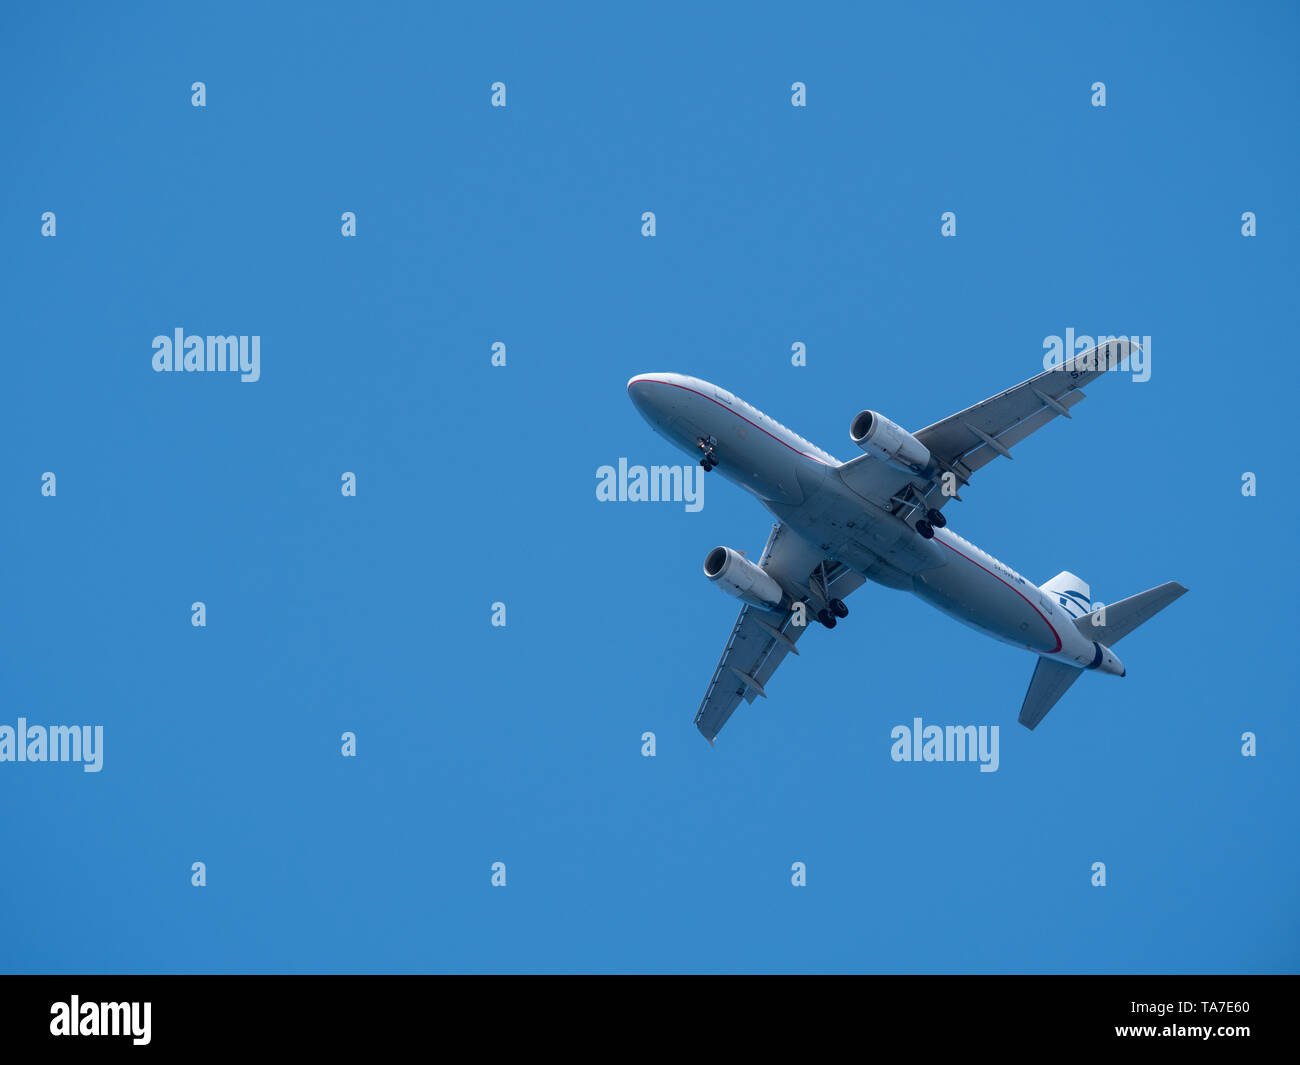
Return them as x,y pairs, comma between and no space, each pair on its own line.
1071,592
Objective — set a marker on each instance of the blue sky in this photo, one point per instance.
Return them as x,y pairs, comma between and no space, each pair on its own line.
476,484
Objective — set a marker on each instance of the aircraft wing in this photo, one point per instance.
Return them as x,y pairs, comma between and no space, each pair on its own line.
761,639
969,439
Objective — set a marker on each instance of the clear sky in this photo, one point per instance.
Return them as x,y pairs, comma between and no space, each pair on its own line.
476,484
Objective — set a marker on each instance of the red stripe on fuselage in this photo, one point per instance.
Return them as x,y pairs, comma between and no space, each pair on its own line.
652,381
1012,587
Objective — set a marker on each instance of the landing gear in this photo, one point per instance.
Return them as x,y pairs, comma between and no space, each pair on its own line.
912,501
709,459
834,608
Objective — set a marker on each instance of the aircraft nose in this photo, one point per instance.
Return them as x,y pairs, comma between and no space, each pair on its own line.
654,397
641,391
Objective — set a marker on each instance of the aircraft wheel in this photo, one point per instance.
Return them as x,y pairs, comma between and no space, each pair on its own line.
826,618
838,608
925,529
936,518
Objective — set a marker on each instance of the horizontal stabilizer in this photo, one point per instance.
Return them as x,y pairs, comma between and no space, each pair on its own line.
1051,680
1123,617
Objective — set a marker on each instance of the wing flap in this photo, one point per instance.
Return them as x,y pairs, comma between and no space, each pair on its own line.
1011,435
752,652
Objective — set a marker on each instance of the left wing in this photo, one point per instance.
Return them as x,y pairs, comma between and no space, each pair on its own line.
761,639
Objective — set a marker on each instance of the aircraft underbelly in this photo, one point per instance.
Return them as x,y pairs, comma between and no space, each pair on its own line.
759,464
862,535
947,572
981,599
941,571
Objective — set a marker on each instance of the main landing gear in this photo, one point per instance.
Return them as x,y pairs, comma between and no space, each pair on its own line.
707,445
834,608
933,519
830,614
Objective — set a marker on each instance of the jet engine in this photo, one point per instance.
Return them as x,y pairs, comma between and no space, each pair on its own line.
878,436
736,575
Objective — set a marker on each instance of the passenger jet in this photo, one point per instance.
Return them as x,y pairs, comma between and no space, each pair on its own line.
879,517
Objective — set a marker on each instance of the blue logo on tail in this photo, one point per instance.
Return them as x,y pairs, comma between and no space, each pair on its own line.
1076,605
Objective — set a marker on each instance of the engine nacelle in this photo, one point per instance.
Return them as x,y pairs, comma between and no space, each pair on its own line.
736,575
881,438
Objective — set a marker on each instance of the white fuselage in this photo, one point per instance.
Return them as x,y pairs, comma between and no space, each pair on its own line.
800,484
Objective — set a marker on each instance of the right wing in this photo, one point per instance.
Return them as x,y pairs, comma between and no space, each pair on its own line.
761,639
969,439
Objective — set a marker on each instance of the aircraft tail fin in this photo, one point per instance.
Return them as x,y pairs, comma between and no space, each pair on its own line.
1071,592
1051,680
1110,624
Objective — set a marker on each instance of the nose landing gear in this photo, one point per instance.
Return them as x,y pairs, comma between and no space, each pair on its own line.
709,459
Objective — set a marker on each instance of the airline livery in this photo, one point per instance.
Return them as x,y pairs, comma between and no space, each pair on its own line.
880,517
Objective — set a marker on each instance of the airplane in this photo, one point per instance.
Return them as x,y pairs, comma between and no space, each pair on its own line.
879,517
